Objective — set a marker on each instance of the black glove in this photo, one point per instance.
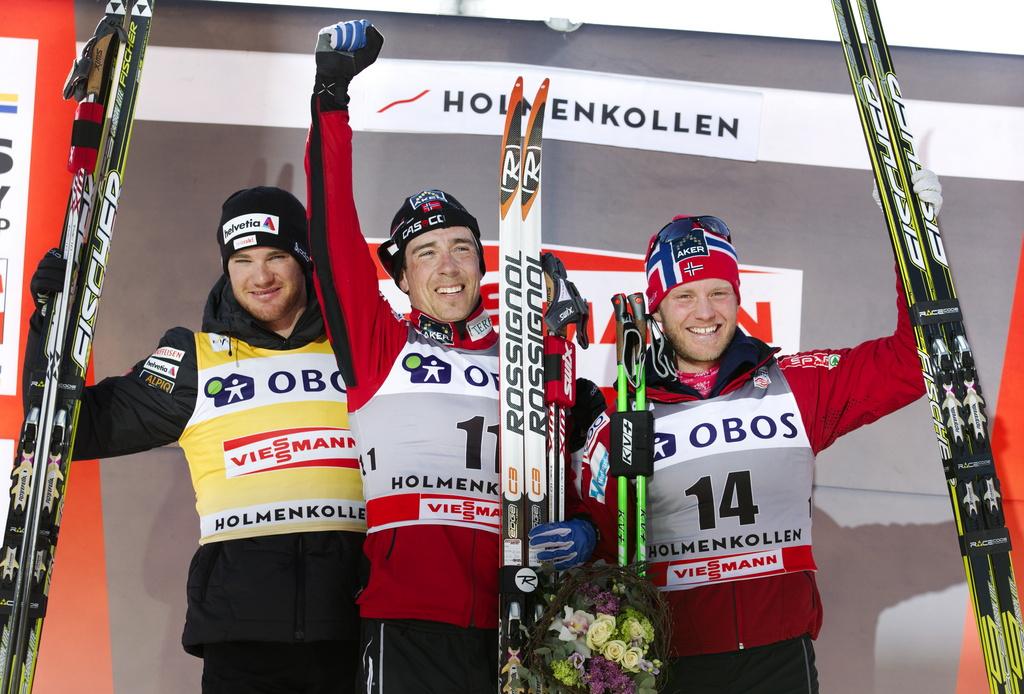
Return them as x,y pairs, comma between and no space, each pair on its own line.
565,305
48,279
590,404
343,50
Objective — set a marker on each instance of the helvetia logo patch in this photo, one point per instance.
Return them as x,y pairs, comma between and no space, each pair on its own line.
249,224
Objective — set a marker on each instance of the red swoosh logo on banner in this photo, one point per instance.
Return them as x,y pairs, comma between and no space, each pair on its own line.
403,101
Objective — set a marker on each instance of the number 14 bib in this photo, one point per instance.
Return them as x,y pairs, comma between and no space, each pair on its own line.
731,494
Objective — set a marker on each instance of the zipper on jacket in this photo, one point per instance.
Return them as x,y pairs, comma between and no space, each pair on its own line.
300,589
736,617
472,583
391,547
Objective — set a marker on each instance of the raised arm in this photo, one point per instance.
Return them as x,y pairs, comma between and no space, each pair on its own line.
363,330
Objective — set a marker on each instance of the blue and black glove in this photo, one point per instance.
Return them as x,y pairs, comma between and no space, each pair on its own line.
343,50
566,543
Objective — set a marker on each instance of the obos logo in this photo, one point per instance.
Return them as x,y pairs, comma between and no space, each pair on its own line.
664,445
428,369
230,389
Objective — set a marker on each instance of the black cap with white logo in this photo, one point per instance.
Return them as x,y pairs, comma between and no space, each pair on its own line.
263,216
420,213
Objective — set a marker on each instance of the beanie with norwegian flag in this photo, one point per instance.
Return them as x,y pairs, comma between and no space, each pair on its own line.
689,249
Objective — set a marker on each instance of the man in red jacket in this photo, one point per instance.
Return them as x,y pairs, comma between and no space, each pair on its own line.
423,402
736,434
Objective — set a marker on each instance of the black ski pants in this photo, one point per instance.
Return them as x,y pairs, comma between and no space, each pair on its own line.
786,667
406,656
255,667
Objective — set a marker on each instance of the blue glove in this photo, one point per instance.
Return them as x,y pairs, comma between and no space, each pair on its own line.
344,36
566,543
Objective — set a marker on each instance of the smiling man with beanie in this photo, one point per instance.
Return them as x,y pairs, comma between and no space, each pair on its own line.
736,434
257,404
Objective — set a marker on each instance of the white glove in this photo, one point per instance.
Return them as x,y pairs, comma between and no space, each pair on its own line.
925,184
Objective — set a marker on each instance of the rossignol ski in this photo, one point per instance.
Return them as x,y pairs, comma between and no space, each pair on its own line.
632,426
523,431
104,80
947,362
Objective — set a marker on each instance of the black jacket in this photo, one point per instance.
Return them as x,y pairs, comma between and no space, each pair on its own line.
282,588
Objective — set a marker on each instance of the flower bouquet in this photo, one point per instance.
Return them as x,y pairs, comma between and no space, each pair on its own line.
604,632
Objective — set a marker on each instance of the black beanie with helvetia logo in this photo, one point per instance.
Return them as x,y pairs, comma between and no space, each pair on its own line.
263,216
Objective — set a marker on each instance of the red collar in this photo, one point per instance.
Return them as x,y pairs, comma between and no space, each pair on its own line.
473,332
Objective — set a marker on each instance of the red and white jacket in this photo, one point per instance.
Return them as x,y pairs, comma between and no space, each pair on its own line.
423,403
729,504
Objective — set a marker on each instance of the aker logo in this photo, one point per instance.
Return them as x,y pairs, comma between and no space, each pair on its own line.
289,448
811,360
250,223
664,445
427,369
466,510
425,197
230,389
441,332
693,245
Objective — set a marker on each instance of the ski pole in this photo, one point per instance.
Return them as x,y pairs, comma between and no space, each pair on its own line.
639,309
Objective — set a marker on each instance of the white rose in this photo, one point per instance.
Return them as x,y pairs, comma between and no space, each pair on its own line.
600,631
614,650
631,660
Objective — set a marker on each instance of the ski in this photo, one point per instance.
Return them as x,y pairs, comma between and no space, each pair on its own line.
524,417
957,405
104,80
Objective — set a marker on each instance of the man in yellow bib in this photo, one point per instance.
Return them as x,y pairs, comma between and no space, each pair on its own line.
258,405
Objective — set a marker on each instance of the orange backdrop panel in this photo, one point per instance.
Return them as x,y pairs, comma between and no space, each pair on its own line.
75,653
1008,447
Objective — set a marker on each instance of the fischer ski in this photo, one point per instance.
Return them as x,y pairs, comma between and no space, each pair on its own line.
104,80
947,362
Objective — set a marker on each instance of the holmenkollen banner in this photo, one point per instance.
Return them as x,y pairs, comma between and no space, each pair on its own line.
592,107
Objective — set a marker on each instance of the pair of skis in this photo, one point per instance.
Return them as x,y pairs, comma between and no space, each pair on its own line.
947,362
537,379
105,82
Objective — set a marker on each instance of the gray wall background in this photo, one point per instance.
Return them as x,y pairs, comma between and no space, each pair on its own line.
890,572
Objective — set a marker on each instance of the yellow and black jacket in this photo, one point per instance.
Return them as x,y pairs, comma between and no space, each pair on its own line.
263,423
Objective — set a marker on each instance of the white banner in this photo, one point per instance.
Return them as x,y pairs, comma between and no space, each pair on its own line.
17,105
594,107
